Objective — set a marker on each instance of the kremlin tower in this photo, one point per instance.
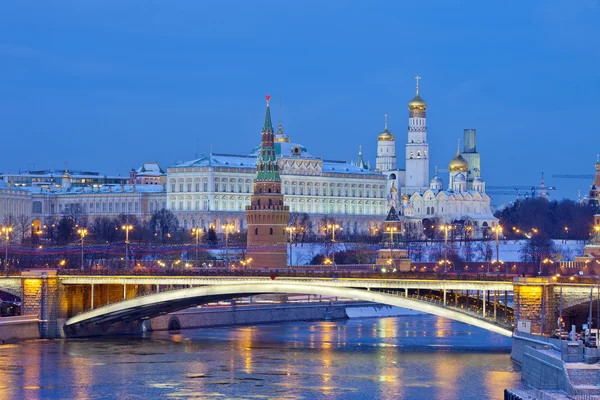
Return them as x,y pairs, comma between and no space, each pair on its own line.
266,215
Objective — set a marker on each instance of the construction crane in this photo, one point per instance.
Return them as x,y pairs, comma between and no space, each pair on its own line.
517,190
578,176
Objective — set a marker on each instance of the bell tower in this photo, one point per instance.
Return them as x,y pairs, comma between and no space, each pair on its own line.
267,216
417,148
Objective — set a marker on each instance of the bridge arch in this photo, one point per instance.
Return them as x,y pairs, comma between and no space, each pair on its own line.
149,306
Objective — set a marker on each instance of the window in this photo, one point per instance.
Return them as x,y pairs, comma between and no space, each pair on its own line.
189,205
36,207
189,187
197,205
197,186
205,205
216,186
205,186
232,187
172,187
180,205
419,154
256,231
181,187
270,231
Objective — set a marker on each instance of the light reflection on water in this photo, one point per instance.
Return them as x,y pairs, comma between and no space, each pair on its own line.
412,357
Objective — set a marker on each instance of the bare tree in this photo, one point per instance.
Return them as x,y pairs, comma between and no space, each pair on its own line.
23,226
164,222
77,213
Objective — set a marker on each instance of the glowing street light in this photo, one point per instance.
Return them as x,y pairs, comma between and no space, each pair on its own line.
127,228
391,230
197,232
6,230
446,228
82,233
498,230
333,228
227,227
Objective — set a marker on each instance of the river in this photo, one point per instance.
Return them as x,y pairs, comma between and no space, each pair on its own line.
408,357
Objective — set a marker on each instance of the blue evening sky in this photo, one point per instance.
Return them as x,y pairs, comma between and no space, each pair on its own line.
107,85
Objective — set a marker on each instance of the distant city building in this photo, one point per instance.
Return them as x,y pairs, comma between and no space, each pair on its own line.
149,173
53,178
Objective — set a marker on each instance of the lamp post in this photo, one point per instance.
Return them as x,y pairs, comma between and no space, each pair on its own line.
82,233
391,230
498,230
227,227
6,230
127,228
333,228
196,232
291,230
446,228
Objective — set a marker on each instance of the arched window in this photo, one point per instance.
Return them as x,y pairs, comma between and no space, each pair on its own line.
256,231
258,202
270,231
270,202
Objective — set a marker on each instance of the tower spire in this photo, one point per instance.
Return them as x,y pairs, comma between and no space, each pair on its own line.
385,122
417,78
268,125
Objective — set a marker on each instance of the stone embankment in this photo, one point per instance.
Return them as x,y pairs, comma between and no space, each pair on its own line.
13,329
555,369
201,317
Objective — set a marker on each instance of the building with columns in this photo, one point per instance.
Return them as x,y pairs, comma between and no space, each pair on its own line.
214,189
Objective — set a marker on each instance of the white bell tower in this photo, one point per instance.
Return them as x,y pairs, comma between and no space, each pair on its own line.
417,148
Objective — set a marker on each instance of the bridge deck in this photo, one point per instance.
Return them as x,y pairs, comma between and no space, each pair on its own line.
366,283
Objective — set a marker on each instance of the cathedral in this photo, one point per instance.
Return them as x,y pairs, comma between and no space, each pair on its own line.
422,202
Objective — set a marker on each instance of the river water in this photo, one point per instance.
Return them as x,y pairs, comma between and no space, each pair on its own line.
408,357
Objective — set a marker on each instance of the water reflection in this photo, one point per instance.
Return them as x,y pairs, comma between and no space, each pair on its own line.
390,358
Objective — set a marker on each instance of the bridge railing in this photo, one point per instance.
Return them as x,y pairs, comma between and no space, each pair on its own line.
503,321
289,273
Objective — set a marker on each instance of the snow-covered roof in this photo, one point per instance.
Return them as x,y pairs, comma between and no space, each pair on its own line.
342,167
221,160
99,189
150,169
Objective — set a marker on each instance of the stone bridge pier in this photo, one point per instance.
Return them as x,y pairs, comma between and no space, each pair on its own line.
538,300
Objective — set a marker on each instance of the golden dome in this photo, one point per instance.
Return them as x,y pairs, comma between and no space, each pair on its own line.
386,135
404,197
458,163
417,102
393,188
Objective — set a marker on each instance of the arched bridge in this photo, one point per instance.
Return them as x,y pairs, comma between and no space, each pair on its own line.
441,300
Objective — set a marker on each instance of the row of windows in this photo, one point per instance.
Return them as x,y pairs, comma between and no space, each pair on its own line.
233,205
240,186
